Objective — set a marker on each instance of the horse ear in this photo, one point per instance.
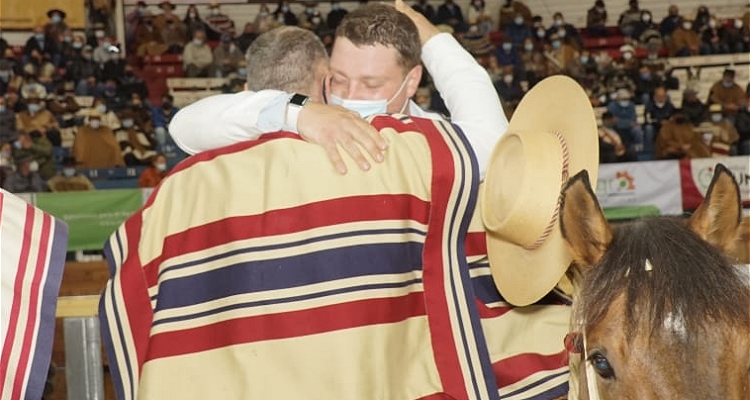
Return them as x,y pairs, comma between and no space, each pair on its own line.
717,219
582,221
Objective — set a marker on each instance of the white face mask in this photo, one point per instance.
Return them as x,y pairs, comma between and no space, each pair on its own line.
102,108
627,55
161,167
95,123
508,79
365,108
34,166
127,123
716,117
69,172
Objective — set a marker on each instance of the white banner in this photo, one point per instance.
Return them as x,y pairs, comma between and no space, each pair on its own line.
653,183
702,170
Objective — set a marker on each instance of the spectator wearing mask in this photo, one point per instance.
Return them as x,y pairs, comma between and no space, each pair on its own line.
6,76
193,21
645,31
36,118
80,68
8,131
627,62
56,25
43,45
113,98
95,145
702,17
742,124
719,133
36,146
63,105
26,178
510,9
509,89
130,83
629,18
737,37
558,55
227,57
136,145
596,20
167,14
174,35
156,171
132,21
677,140
69,179
337,13
114,67
106,115
669,23
645,84
197,58
627,120
218,23
611,147
727,94
582,69
713,39
148,38
695,111
103,52
477,15
658,110
566,32
684,41
517,32
285,15
142,113
507,54
161,116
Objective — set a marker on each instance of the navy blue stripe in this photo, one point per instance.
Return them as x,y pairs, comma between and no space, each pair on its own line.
546,394
109,347
460,143
288,272
289,245
290,299
115,371
485,289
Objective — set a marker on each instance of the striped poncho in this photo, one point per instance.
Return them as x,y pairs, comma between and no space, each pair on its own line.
257,272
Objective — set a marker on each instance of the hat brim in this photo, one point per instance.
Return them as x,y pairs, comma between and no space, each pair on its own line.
56,10
556,104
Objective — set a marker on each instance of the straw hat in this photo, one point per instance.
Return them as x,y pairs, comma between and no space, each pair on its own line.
552,136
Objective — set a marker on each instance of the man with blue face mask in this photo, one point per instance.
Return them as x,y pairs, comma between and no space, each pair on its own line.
370,70
68,179
727,94
41,43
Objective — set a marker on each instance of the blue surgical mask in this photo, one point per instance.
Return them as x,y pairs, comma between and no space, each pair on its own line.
242,71
556,44
39,36
2,108
69,172
528,47
716,117
77,45
127,123
507,46
102,108
365,108
624,103
56,19
5,75
518,20
34,108
645,76
584,59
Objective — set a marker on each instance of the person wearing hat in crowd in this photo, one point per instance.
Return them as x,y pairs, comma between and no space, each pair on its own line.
148,38
684,41
69,179
167,14
678,139
693,108
137,146
37,118
174,35
719,133
510,9
37,146
728,94
56,26
565,31
155,172
197,57
596,20
95,145
26,178
227,57
627,62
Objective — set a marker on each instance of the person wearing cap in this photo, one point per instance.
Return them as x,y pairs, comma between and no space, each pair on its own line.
218,23
197,57
227,57
596,20
645,30
723,135
148,38
69,179
26,178
167,14
678,139
684,41
726,93
56,25
95,145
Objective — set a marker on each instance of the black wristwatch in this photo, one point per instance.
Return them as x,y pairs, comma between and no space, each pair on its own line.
293,107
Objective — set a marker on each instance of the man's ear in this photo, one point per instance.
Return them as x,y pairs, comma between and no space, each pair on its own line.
412,81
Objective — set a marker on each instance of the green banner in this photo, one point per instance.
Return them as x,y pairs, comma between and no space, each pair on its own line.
91,216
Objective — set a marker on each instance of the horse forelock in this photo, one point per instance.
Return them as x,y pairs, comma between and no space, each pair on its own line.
689,286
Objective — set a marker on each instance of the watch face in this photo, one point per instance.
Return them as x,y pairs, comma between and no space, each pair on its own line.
298,99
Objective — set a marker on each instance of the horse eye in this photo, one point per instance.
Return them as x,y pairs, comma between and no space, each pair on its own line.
601,365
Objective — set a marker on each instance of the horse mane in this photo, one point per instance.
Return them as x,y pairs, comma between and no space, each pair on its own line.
690,279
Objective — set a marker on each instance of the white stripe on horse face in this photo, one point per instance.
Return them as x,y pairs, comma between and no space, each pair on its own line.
675,323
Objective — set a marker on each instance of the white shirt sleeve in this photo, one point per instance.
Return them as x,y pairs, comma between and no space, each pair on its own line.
225,119
468,94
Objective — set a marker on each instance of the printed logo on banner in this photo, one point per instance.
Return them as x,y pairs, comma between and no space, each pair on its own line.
704,173
623,183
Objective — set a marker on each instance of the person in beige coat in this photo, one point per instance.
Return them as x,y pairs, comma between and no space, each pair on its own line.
95,145
197,58
677,139
684,41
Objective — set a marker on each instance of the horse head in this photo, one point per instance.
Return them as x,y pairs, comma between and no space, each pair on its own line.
662,312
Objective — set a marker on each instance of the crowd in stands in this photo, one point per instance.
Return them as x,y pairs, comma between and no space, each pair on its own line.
72,101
